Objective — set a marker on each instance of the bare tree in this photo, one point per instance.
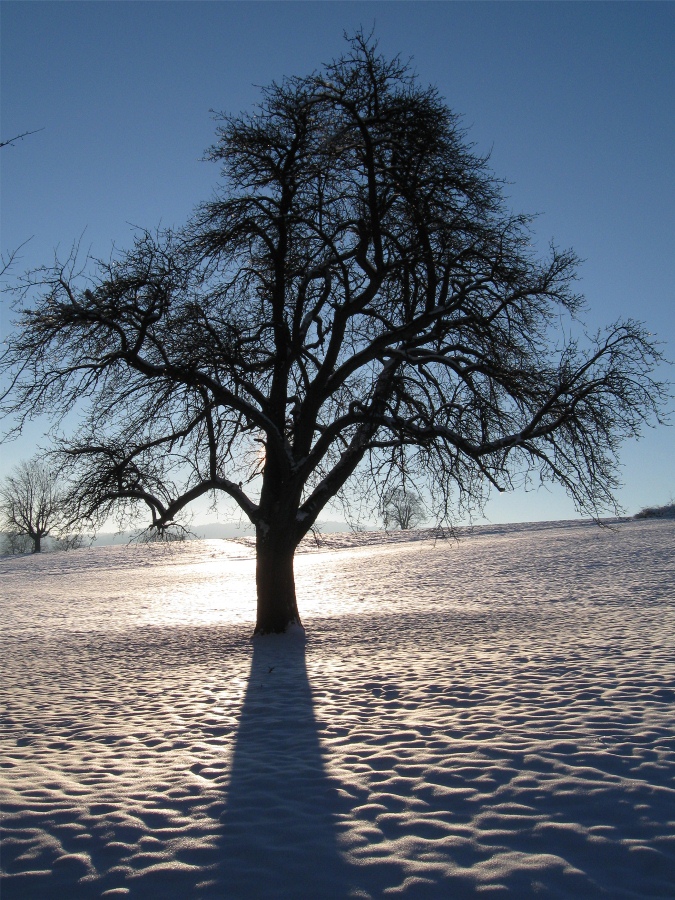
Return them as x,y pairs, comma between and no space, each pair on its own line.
401,508
357,300
30,504
70,541
13,542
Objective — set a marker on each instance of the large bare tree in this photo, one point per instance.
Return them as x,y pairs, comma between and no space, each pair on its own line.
355,305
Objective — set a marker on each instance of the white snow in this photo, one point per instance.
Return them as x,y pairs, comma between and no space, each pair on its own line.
494,717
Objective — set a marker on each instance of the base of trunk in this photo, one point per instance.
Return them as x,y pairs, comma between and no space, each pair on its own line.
275,582
295,631
276,624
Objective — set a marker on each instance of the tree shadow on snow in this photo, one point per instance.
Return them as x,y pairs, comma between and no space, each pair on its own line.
279,836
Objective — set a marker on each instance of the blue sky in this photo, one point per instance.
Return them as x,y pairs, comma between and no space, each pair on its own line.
575,102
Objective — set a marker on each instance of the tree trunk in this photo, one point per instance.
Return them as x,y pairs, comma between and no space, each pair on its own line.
277,607
37,542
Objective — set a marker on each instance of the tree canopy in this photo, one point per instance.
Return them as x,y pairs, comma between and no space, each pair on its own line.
356,305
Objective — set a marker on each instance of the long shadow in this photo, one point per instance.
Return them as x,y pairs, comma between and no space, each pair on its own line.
279,837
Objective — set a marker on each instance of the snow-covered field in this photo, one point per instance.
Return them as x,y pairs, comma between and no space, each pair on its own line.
490,717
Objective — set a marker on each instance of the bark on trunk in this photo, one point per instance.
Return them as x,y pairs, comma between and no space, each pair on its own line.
277,607
37,542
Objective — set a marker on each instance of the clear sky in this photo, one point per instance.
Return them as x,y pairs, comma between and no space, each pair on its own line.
575,102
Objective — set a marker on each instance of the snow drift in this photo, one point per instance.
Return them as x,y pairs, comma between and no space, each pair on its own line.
490,717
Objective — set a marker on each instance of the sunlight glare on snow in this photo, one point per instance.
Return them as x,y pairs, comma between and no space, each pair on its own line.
494,714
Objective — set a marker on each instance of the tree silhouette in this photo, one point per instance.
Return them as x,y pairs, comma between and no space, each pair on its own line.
401,508
356,301
30,504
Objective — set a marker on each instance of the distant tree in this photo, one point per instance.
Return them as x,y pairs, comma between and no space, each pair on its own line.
67,541
30,504
13,542
667,511
356,301
401,508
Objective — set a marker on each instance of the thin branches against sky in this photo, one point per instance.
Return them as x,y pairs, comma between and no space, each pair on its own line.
574,102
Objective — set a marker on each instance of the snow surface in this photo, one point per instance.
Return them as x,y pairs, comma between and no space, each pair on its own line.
493,717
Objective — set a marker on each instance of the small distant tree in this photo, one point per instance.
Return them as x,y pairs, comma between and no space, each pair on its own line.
69,541
16,543
402,508
357,300
667,511
30,505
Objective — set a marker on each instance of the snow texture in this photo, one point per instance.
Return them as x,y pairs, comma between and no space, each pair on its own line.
489,717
